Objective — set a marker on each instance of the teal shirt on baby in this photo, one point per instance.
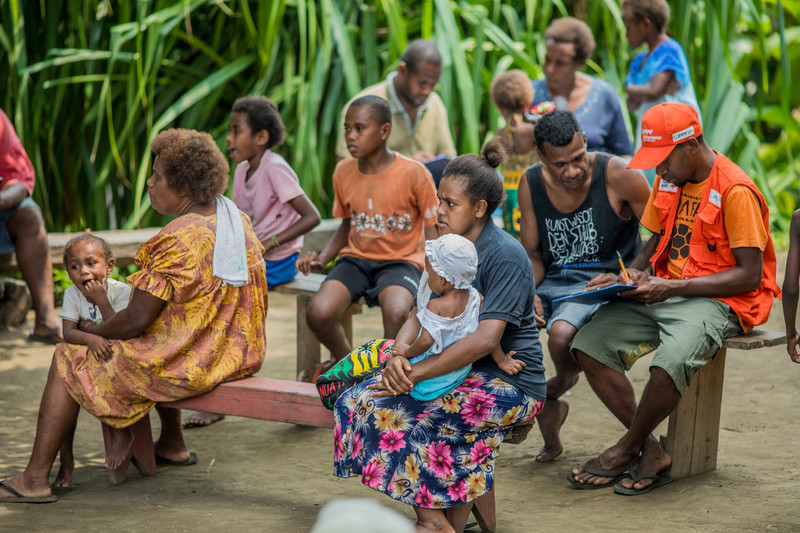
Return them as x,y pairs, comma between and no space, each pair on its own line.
446,331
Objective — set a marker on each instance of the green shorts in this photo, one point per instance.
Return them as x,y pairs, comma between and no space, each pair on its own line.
684,332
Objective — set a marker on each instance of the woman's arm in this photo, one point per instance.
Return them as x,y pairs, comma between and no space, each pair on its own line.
131,321
399,376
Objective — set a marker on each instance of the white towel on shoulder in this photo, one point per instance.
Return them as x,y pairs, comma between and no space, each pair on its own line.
230,253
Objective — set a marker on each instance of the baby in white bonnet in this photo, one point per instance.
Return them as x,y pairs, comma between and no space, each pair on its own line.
451,263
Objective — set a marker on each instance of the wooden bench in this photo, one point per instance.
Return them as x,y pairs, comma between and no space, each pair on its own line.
277,400
692,437
308,346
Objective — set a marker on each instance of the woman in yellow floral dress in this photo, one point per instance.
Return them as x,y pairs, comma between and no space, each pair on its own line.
185,330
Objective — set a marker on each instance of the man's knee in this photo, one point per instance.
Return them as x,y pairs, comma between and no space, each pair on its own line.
26,225
662,379
560,336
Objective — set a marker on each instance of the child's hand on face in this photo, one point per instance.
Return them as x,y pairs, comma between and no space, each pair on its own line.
101,347
509,365
95,291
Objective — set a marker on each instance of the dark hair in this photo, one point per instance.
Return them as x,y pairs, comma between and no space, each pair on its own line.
558,127
87,236
192,162
479,173
511,90
571,30
421,51
655,10
379,109
262,114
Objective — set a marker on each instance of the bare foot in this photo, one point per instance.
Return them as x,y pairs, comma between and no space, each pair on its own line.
64,477
119,447
432,520
550,420
200,419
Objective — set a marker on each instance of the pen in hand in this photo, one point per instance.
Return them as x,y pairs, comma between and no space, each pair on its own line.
622,265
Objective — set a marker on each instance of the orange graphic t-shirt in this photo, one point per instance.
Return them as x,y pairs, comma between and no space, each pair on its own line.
387,211
745,229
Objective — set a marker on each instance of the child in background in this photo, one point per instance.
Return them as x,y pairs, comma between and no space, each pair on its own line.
93,296
791,288
451,263
266,188
512,94
384,200
660,74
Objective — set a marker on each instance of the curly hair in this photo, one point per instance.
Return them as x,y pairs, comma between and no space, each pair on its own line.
511,90
87,236
558,127
571,30
192,163
655,10
479,173
262,114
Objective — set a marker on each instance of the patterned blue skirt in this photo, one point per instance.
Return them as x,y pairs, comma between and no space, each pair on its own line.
433,454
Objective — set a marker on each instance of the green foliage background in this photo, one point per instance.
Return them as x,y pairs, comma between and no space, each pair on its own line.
91,82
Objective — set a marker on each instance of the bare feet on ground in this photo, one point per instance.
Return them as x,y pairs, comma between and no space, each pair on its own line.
550,420
119,447
201,418
64,476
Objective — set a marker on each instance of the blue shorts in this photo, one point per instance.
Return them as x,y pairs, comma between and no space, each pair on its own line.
563,282
6,244
281,271
369,278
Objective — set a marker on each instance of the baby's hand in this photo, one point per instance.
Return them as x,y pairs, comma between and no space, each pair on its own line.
509,365
399,349
101,347
95,291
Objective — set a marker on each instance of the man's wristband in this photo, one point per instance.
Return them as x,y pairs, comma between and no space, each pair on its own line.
275,243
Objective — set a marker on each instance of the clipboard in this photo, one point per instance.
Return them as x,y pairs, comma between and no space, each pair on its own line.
596,296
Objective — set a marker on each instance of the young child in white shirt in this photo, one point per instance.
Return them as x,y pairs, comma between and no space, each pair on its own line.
95,297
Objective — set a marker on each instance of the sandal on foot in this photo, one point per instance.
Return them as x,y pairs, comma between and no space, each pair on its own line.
20,498
659,480
615,478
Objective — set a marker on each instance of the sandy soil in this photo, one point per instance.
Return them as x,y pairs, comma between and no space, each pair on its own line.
264,476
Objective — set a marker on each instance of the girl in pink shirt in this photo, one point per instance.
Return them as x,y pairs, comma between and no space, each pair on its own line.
266,188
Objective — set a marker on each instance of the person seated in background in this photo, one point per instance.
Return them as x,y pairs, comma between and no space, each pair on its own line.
579,210
420,129
387,203
195,319
22,232
594,102
512,94
706,274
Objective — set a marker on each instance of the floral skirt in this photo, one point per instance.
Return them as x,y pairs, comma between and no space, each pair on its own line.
433,454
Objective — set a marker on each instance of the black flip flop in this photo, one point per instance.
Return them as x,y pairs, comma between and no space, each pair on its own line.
169,462
19,498
615,478
659,480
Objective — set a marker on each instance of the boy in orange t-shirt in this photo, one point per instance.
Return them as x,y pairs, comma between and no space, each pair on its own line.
387,203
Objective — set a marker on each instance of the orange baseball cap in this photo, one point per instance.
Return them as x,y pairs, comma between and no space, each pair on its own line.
663,127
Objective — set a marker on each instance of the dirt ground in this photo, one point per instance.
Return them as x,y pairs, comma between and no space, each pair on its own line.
273,477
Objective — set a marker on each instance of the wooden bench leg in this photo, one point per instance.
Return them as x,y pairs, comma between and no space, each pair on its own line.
142,452
693,434
308,346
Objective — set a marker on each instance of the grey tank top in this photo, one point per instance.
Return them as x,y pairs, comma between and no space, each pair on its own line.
589,237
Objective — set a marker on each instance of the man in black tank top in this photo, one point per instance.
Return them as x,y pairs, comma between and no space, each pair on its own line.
578,210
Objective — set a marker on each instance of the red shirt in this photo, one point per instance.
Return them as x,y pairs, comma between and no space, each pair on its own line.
15,167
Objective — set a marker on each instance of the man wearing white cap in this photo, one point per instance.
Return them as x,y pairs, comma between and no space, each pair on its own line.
707,273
